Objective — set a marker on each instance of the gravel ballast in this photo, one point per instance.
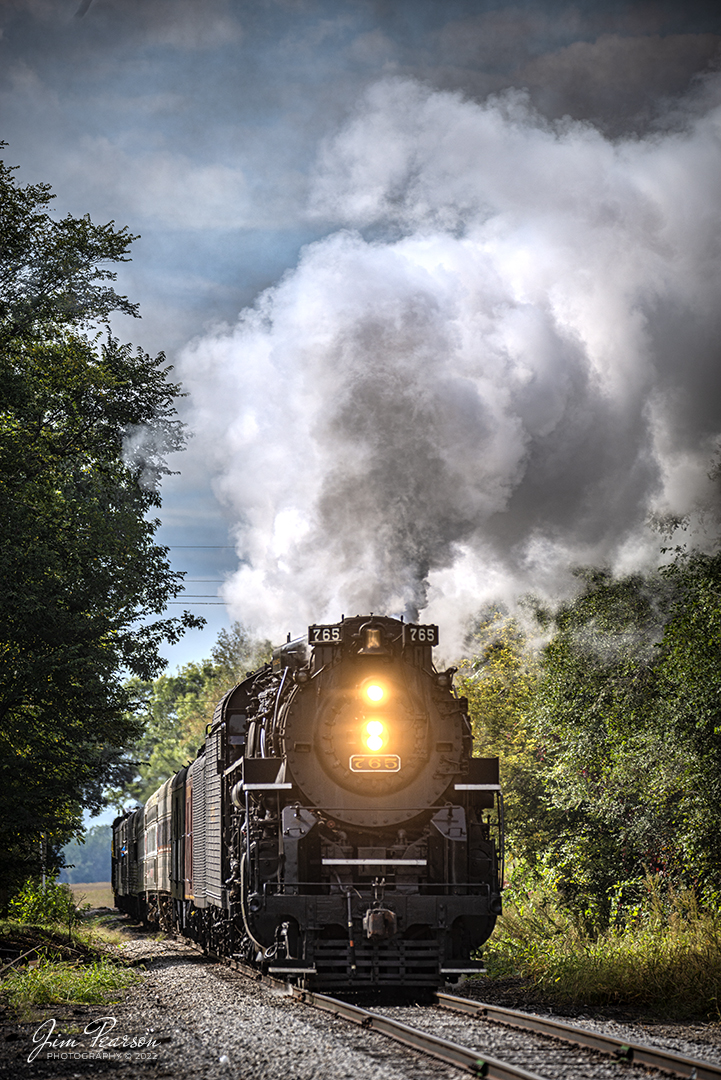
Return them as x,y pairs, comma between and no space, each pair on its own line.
535,1053
207,1021
693,1038
204,1020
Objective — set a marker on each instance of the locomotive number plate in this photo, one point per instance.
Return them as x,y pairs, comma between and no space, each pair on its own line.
324,635
420,635
375,763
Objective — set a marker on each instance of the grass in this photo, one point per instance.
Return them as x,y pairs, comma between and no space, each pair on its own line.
53,982
65,965
87,937
666,959
96,893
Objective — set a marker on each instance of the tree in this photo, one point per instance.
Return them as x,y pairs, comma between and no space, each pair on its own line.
629,719
500,680
610,736
85,425
50,271
178,707
690,692
594,719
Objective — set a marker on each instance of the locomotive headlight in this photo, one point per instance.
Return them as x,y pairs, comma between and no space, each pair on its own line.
375,735
375,692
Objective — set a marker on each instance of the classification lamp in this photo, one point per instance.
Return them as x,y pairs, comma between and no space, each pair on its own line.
375,735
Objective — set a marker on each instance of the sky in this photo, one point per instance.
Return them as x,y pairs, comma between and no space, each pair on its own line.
441,281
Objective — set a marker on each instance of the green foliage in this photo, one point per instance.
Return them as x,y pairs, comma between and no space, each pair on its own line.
626,717
49,269
501,681
665,957
690,696
609,740
606,750
43,904
88,860
178,708
84,429
52,982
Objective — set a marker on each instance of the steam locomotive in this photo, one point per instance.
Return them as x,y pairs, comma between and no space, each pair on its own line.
334,827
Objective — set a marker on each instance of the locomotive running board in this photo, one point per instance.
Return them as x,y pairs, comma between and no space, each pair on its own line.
292,971
370,861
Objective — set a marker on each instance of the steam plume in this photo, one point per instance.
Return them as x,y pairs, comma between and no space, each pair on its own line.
503,356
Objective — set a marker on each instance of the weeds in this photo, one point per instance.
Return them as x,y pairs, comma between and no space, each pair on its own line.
96,932
52,982
66,957
665,956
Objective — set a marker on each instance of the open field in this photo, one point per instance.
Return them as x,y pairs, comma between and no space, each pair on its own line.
96,893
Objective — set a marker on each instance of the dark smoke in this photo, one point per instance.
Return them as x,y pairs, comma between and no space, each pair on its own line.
506,383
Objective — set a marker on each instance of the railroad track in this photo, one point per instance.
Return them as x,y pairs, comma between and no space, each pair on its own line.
598,1051
517,1059
638,1053
563,1061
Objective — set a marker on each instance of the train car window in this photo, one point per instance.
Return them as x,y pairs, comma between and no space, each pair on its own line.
236,726
151,841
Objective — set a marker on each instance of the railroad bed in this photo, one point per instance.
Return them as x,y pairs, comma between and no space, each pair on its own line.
207,1020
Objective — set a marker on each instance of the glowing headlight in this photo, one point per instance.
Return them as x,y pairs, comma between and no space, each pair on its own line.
375,736
375,692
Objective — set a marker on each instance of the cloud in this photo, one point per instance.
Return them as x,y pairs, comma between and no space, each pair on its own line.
168,188
608,64
498,40
183,25
189,25
173,191
373,48
617,77
42,11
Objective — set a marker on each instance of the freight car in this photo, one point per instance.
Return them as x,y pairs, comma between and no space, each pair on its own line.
334,826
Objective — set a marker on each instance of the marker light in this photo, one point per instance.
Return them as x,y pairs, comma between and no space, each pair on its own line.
374,735
374,692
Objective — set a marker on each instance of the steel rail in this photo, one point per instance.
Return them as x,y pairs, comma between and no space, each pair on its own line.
475,1061
442,1049
449,1052
622,1050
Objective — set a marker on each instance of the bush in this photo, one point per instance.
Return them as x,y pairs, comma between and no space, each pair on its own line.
44,904
665,956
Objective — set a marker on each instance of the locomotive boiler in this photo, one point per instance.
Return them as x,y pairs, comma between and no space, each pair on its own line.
334,827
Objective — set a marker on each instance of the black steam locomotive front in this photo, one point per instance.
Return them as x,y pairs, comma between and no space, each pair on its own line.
356,840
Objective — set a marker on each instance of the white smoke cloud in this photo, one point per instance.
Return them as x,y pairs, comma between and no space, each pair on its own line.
501,376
